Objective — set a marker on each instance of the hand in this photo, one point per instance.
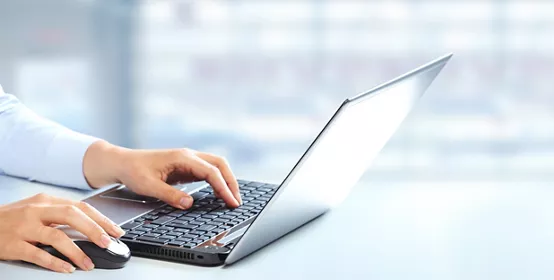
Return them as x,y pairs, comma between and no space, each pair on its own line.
150,172
28,222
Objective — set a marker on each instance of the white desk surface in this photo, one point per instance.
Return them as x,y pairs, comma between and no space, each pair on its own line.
383,231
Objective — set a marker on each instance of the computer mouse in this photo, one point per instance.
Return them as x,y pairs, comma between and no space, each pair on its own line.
113,257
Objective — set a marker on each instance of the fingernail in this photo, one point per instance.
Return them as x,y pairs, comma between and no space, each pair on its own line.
68,268
105,239
186,201
88,263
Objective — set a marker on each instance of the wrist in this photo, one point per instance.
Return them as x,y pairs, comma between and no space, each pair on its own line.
102,164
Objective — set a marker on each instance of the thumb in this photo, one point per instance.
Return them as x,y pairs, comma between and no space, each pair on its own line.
176,198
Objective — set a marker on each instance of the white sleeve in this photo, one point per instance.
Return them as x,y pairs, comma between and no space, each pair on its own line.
37,149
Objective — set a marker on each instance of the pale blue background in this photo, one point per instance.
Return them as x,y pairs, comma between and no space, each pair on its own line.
255,80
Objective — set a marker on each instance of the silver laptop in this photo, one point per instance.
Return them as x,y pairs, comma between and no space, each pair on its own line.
211,234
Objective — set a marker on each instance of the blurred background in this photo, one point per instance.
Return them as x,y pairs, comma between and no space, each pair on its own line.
256,80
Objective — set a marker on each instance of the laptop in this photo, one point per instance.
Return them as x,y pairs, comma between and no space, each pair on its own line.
210,234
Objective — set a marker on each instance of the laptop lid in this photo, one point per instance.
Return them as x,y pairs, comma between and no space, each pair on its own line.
338,157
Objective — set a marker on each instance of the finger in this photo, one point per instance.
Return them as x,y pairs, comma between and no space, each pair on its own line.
204,170
170,195
226,172
31,254
216,194
75,218
61,242
108,225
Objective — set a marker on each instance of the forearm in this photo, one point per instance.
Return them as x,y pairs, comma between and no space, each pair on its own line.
35,148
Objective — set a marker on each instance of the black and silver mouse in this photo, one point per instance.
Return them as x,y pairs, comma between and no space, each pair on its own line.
113,257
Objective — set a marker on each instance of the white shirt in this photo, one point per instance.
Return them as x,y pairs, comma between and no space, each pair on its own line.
37,149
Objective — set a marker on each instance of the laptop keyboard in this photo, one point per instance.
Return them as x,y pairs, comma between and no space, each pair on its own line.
207,218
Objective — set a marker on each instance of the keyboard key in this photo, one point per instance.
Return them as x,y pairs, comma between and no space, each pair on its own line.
232,223
233,214
165,211
209,216
189,227
196,223
203,220
191,236
255,184
139,220
209,235
220,220
165,228
136,232
182,239
194,215
218,230
166,236
197,232
131,225
198,195
229,217
185,219
153,240
182,230
257,202
145,229
175,233
150,234
215,223
198,241
176,243
163,220
159,231
150,226
175,215
220,211
130,236
189,245
206,227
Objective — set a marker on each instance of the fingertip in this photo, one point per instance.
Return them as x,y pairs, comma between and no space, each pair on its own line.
186,202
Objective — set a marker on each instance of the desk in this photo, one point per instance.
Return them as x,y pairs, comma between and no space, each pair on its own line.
383,231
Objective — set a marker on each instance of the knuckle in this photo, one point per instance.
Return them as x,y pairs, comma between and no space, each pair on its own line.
176,154
70,210
223,161
186,151
212,171
105,220
84,206
57,235
40,198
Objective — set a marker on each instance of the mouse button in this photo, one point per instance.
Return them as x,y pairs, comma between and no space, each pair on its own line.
118,248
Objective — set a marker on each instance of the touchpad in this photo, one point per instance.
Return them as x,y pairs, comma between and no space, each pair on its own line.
123,193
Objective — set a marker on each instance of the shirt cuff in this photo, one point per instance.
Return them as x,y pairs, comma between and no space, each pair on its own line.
67,150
